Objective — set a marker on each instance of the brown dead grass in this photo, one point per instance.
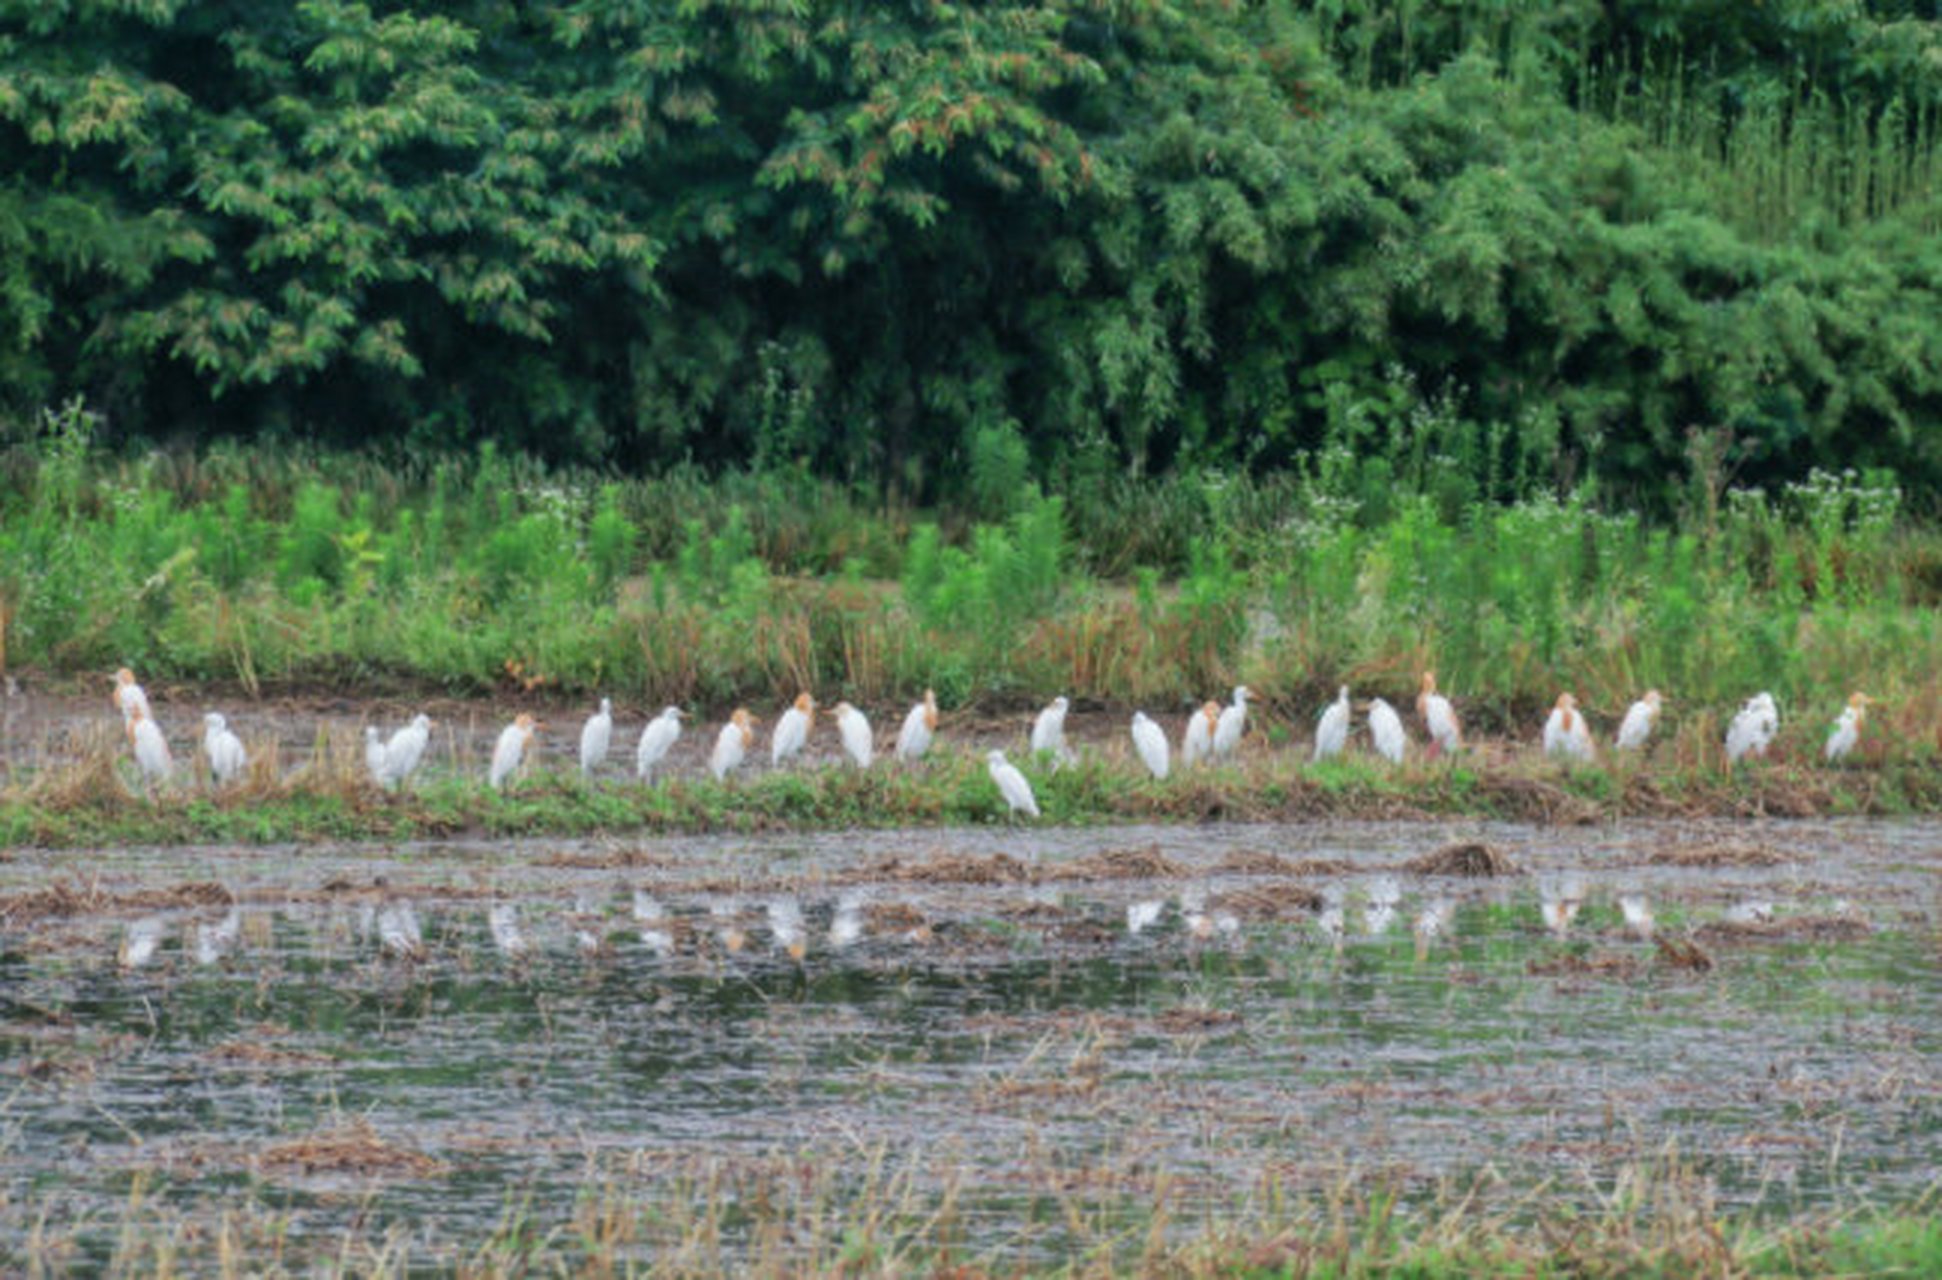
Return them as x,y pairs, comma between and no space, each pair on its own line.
89,779
608,860
351,1148
64,899
1283,900
1186,1020
1680,953
1605,964
1464,858
996,868
1717,854
1146,863
1793,929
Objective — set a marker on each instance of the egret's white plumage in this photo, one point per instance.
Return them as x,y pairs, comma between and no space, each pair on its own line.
1150,741
1847,730
502,918
1231,725
920,726
1048,729
510,750
129,697
398,931
853,727
1197,743
595,737
1332,730
792,730
1753,728
1385,895
1439,719
151,748
732,743
1639,722
786,928
1012,784
1141,916
406,749
1559,902
1637,912
1566,736
1386,730
224,748
656,739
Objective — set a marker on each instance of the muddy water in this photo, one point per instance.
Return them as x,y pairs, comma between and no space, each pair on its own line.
1017,1014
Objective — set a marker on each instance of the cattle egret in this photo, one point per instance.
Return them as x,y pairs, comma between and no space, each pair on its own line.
1150,741
510,750
1386,728
920,726
1753,729
406,749
129,697
151,749
792,730
1332,731
1048,730
732,743
1566,735
1439,719
1385,896
1637,912
595,737
1639,721
1012,785
1847,731
1232,723
656,739
853,727
224,749
1198,742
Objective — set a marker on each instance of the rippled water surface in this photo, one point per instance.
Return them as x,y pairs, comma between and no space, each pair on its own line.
1013,1014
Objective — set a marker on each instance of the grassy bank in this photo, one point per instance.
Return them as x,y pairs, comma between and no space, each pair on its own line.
91,803
787,1218
487,575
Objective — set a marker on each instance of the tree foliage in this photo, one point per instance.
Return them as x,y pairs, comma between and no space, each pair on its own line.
1501,245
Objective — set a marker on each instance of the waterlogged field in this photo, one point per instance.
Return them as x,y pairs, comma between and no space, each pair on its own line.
990,1048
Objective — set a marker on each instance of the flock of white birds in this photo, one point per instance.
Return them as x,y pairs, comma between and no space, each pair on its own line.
1212,733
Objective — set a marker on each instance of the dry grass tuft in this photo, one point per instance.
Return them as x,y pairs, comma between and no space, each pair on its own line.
89,779
1283,900
1682,954
64,899
1464,858
996,868
1115,864
1721,854
351,1148
1609,964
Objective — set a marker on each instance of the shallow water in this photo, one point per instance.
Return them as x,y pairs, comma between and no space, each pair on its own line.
530,1013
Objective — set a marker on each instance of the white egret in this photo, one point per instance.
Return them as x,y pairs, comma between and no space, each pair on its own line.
1332,731
139,944
651,919
1385,896
151,748
374,753
1637,912
398,931
846,926
1386,729
1150,741
595,736
406,749
1439,719
1559,902
656,740
1847,731
503,919
224,749
511,748
1048,730
792,730
129,697
1565,733
853,727
1141,916
1753,728
1232,723
732,743
786,928
1639,721
920,726
1198,741
214,941
1012,785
